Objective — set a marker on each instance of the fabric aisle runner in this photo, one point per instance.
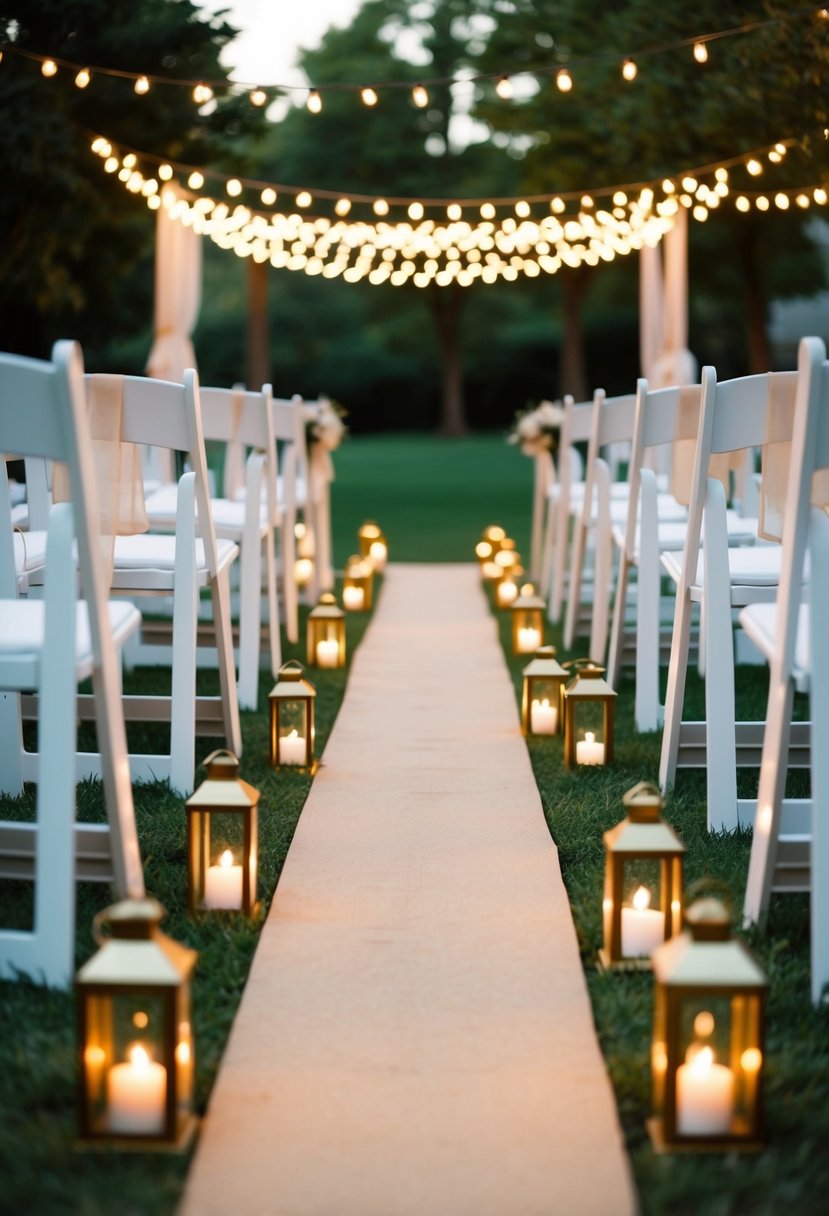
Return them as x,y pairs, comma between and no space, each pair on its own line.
415,1038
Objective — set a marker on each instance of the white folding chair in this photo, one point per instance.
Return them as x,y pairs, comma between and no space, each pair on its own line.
234,416
564,494
543,481
47,646
733,416
790,845
663,417
168,416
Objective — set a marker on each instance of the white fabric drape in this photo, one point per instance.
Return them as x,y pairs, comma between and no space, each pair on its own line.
178,259
663,310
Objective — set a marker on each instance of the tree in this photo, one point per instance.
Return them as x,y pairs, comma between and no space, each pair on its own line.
76,250
396,144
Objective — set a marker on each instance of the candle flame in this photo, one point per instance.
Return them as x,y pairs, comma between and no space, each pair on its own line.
704,1024
226,859
139,1057
545,704
641,899
700,1061
293,735
590,737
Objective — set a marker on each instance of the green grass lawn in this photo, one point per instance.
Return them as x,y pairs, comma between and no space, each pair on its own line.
432,497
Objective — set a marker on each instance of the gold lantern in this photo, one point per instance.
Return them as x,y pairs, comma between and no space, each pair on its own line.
643,862
305,553
325,636
707,1050
222,839
358,584
373,545
135,1039
588,716
492,539
292,720
541,698
506,589
527,621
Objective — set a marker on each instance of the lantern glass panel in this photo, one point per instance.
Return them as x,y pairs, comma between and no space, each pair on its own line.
292,731
589,724
125,1065
221,844
544,696
185,1054
527,630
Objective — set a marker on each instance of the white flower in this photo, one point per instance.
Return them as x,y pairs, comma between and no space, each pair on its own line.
550,415
328,429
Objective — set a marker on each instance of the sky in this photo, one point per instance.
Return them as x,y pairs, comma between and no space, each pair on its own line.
272,31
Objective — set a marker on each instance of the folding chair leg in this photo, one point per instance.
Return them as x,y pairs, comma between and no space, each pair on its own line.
250,593
675,695
11,745
289,587
547,554
272,606
227,675
574,589
322,531
617,625
560,550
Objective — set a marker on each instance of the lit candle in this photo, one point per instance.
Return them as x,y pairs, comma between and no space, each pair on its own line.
303,569
704,1094
328,653
136,1095
588,751
292,748
643,927
378,554
543,718
529,640
223,884
354,598
506,593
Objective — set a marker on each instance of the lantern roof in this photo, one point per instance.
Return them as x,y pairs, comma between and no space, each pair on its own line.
370,530
223,789
588,682
290,683
639,839
714,962
544,663
326,608
137,954
527,598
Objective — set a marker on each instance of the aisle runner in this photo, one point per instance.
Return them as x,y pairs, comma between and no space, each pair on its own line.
416,1038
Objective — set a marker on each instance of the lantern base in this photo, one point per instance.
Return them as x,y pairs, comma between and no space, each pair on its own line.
139,1144
304,770
605,963
201,910
700,1144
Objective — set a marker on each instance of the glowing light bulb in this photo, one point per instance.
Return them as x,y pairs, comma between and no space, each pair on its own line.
142,86
196,180
49,67
83,78
258,97
454,211
503,87
700,52
420,96
303,199
742,203
629,70
564,80
165,172
202,93
781,201
415,211
820,196
380,207
314,102
268,196
233,187
130,160
487,211
586,202
754,167
522,209
762,204
111,164
342,206
368,96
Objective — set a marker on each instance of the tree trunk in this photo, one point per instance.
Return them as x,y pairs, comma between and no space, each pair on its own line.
573,377
258,357
757,340
446,304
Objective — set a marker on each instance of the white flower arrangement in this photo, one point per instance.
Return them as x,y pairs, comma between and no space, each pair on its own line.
536,429
328,428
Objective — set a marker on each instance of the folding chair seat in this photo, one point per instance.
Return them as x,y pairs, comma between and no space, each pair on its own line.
48,645
236,417
790,843
733,415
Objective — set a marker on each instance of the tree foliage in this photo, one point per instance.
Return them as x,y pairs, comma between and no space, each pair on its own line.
77,250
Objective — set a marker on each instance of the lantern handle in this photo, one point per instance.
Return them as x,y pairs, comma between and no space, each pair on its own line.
220,751
582,664
292,665
98,920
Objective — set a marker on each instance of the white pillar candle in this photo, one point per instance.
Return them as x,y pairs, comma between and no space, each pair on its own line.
643,927
506,593
292,748
378,554
354,598
223,884
529,640
543,718
704,1095
588,751
328,653
136,1095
